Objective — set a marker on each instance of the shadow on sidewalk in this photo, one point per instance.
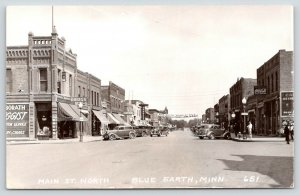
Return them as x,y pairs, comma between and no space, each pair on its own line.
279,168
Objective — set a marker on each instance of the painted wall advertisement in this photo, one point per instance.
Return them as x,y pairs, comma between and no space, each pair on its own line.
287,104
17,120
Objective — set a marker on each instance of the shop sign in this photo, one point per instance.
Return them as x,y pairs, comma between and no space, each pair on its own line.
79,99
260,90
287,103
17,120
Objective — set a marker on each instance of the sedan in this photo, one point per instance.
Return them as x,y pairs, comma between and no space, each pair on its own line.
212,131
120,132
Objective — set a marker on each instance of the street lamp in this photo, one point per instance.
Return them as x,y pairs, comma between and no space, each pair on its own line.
217,117
244,101
80,105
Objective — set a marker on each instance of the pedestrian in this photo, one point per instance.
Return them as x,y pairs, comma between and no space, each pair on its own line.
287,133
249,127
236,129
292,131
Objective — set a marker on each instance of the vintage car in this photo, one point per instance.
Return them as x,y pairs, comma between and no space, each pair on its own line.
120,132
159,131
141,131
212,131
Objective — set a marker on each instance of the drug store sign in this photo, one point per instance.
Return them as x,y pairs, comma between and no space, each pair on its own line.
17,120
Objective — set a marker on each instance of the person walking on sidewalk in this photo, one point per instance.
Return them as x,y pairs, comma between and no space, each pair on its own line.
249,127
292,131
287,133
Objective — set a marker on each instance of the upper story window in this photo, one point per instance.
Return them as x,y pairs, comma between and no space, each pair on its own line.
43,80
83,90
58,81
79,91
70,84
272,83
8,80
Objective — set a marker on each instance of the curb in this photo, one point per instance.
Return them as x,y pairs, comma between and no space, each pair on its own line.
258,140
50,142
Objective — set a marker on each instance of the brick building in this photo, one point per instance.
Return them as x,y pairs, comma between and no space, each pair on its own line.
114,98
274,106
243,88
210,115
224,107
41,84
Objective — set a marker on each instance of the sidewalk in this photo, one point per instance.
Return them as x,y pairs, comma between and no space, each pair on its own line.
257,138
86,138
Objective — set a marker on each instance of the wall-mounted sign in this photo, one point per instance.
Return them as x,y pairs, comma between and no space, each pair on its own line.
260,90
79,99
17,120
287,103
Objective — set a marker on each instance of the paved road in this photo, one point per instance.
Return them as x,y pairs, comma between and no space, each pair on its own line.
177,161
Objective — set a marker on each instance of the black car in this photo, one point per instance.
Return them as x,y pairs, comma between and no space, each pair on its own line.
120,132
159,131
141,131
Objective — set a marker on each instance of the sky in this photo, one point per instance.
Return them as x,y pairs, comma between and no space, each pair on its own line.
183,57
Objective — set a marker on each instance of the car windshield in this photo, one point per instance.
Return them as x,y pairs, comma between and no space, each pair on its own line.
204,126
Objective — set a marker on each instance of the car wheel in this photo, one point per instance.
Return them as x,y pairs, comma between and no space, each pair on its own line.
201,137
131,135
151,135
144,134
212,136
227,136
112,137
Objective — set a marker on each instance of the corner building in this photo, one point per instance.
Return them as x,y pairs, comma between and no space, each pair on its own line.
276,76
42,85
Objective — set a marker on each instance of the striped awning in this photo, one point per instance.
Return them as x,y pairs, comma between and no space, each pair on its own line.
112,119
101,117
68,112
119,118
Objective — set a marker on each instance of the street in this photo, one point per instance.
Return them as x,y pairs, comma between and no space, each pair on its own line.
179,160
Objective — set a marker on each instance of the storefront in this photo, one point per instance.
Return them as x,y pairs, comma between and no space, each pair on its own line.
113,122
99,123
44,118
68,122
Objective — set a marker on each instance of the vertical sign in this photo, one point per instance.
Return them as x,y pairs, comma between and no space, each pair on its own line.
17,120
287,104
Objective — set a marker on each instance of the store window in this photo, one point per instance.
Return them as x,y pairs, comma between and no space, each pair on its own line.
43,79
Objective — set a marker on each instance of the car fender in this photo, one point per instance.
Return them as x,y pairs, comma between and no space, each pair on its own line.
226,133
118,137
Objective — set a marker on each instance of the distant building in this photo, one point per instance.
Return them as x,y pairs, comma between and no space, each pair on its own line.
154,117
243,88
113,96
210,115
224,107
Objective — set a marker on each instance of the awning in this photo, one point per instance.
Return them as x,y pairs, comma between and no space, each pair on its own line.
101,117
112,119
68,112
119,118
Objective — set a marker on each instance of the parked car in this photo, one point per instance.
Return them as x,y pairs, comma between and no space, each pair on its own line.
120,132
212,131
159,131
141,131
